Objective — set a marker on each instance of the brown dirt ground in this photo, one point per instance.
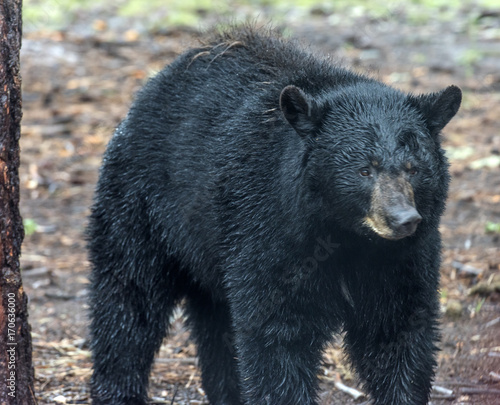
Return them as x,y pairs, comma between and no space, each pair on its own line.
77,89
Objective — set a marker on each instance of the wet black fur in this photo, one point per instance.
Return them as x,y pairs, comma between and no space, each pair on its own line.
252,212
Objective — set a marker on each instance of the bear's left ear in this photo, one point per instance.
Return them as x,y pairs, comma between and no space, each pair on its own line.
438,108
300,110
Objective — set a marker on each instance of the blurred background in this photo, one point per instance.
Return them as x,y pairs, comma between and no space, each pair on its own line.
82,63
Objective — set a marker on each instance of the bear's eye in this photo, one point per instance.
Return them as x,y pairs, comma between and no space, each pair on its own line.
365,172
413,171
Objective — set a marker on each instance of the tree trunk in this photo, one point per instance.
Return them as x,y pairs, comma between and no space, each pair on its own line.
16,370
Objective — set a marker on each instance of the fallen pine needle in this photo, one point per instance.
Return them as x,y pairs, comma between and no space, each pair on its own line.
189,381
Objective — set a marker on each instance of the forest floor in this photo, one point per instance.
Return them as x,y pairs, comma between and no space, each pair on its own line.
77,88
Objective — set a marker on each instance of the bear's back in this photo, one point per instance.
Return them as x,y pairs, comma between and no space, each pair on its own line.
206,140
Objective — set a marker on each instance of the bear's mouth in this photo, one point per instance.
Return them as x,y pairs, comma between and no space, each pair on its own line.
394,229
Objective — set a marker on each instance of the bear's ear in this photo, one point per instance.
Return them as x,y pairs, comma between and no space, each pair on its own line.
300,110
438,108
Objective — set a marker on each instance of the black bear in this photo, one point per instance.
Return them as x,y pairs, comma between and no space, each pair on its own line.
283,198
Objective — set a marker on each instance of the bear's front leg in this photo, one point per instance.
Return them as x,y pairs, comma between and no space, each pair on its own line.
392,345
279,338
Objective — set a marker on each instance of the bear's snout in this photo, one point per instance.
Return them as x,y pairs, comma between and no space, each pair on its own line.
405,221
392,213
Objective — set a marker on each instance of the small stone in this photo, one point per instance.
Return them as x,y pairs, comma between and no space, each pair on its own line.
60,399
453,309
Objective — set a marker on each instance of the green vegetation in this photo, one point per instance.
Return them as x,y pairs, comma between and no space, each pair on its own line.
30,226
39,14
479,305
492,227
469,60
459,152
52,14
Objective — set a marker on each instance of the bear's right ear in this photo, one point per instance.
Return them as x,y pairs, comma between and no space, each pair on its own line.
300,110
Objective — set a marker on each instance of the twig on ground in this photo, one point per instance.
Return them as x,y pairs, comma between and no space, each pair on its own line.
492,322
164,360
495,376
442,393
348,390
39,271
466,269
473,391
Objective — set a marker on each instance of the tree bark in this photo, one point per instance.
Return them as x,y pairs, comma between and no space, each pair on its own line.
16,370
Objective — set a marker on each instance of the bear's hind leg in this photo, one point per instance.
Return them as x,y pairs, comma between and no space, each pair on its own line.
130,309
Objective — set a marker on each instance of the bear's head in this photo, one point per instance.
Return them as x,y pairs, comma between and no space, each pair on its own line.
373,155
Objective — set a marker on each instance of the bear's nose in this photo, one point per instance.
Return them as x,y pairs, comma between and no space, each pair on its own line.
406,221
